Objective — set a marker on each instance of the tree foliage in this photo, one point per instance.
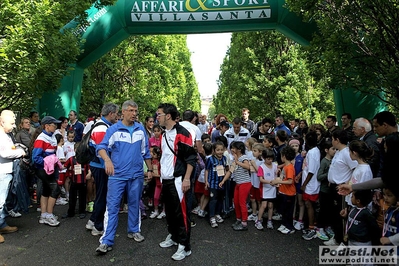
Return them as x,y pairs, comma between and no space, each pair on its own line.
270,74
357,42
34,55
147,69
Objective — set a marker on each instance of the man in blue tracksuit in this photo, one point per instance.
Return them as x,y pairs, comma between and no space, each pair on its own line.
123,149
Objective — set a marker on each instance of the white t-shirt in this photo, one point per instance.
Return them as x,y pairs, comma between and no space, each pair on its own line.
88,127
61,156
193,129
267,191
362,173
341,167
231,136
311,164
69,149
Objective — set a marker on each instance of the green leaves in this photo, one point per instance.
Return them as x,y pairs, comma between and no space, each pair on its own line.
147,69
269,74
34,55
357,43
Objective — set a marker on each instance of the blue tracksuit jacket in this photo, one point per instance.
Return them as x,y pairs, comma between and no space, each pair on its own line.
126,150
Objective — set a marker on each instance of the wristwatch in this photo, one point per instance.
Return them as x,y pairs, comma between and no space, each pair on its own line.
152,171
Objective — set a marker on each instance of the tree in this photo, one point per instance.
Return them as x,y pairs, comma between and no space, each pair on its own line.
357,43
147,69
270,74
34,54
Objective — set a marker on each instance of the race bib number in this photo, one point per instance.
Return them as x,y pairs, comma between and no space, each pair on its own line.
220,170
78,169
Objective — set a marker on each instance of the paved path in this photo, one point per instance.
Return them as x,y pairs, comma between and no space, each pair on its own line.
70,244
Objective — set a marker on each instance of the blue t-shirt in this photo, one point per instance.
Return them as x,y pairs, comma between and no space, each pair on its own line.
213,178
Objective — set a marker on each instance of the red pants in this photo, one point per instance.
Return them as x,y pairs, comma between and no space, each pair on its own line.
241,193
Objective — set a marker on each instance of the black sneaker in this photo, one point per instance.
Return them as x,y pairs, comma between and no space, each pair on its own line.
66,215
235,223
240,227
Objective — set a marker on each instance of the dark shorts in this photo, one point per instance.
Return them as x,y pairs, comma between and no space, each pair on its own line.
298,187
269,200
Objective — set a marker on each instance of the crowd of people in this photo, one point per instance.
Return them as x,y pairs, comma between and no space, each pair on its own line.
333,183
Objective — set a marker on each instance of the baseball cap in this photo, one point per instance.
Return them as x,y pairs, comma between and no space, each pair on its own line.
50,120
224,124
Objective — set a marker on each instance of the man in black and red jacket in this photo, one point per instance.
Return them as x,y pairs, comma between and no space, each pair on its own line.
177,163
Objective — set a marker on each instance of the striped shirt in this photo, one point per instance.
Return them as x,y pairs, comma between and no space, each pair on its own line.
242,175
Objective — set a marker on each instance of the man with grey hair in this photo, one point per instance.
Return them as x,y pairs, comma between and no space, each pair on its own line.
124,149
8,153
363,131
109,115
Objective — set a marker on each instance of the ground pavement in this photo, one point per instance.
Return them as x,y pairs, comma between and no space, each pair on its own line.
71,244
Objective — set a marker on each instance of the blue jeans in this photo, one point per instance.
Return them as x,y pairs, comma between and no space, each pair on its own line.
4,186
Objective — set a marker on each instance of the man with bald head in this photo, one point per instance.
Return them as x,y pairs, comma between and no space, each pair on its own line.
8,153
362,130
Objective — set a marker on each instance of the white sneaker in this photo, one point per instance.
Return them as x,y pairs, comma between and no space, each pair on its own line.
252,217
138,237
281,228
213,222
95,232
258,225
154,214
219,219
287,231
277,217
181,253
331,242
14,214
270,225
201,213
51,220
195,210
61,201
161,215
298,226
89,225
168,242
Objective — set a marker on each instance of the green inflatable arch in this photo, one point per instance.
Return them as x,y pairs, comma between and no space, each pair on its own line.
110,25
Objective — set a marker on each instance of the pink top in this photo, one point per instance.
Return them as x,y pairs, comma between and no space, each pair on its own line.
49,162
154,142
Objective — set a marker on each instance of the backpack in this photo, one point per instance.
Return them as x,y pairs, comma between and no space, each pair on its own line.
85,153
